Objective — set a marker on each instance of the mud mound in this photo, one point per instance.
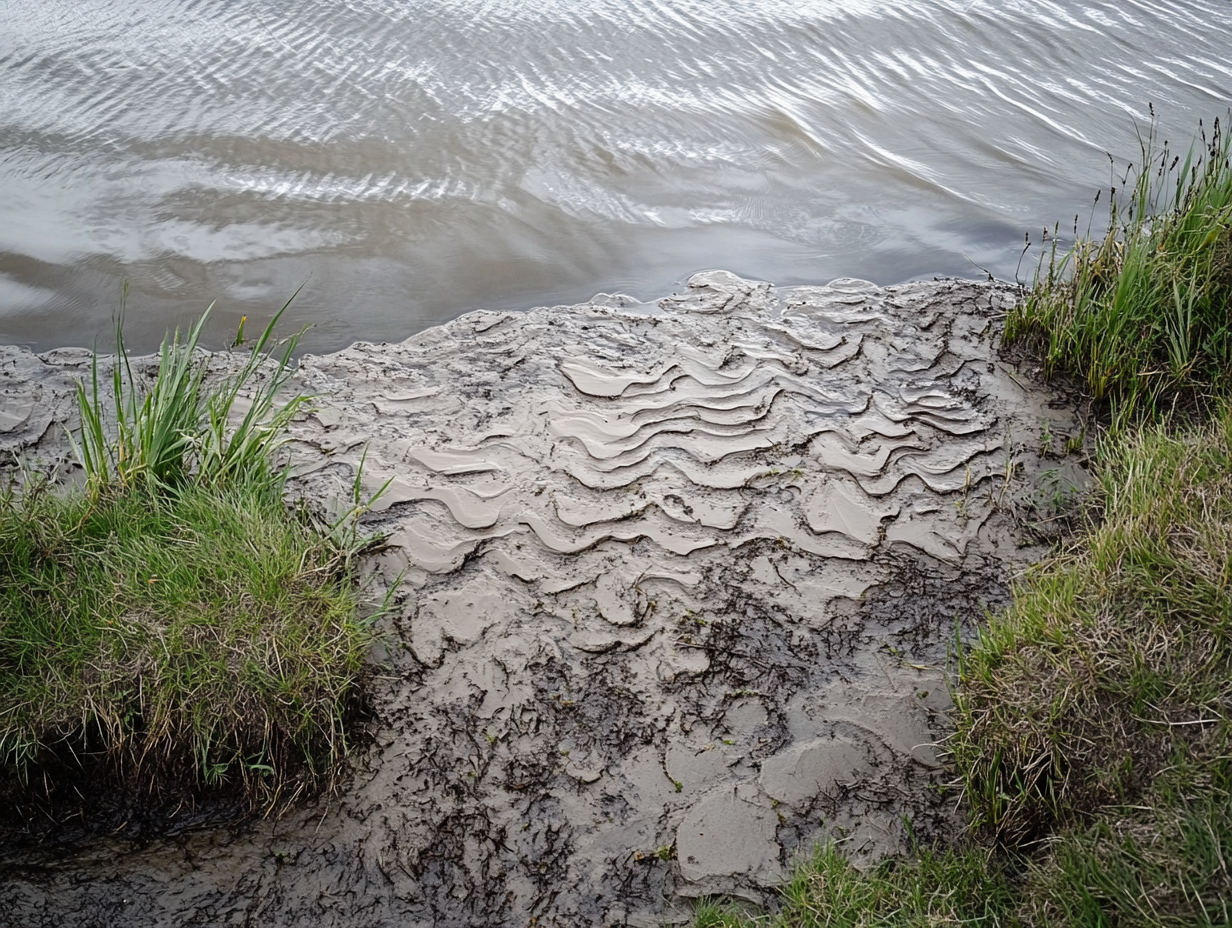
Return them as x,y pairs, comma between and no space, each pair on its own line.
677,587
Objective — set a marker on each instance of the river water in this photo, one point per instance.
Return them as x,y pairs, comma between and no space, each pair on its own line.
408,160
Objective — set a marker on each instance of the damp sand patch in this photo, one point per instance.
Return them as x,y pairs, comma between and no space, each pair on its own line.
677,584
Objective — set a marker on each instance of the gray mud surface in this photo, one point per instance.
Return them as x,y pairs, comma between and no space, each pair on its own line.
677,586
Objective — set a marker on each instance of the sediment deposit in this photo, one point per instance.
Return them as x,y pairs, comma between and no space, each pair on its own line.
676,584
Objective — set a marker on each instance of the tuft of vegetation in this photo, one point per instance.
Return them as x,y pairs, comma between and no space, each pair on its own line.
935,888
1147,309
1162,865
175,430
172,625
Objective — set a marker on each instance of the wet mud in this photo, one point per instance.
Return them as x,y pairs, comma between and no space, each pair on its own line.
676,586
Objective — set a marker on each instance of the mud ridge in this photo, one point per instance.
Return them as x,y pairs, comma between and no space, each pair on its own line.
677,583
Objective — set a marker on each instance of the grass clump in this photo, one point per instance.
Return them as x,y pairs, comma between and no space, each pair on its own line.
172,624
1094,715
1146,309
1113,666
174,430
936,888
1163,866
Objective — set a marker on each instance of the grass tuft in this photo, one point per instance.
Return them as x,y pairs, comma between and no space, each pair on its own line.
1154,867
936,888
173,624
1146,310
175,430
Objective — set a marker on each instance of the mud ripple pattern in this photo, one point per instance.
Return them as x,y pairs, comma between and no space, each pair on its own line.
675,587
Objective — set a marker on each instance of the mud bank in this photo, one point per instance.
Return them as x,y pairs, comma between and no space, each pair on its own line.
677,584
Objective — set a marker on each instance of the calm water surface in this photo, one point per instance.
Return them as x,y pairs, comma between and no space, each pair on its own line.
413,159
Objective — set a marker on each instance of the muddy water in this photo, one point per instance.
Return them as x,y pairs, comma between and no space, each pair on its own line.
676,585
415,159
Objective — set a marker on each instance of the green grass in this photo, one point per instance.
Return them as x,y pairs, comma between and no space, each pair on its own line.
1094,714
1093,738
1164,866
936,888
172,625
203,633
177,430
1144,311
1114,664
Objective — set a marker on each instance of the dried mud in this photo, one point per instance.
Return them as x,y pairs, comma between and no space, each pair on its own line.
677,587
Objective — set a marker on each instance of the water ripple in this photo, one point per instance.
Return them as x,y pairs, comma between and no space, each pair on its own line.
420,158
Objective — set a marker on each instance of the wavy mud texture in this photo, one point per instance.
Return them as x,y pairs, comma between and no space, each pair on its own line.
678,583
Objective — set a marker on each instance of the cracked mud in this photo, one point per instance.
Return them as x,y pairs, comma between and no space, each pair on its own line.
677,583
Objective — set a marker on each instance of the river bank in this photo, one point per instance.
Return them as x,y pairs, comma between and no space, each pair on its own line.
676,587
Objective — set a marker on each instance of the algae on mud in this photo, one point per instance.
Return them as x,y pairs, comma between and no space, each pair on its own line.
673,576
